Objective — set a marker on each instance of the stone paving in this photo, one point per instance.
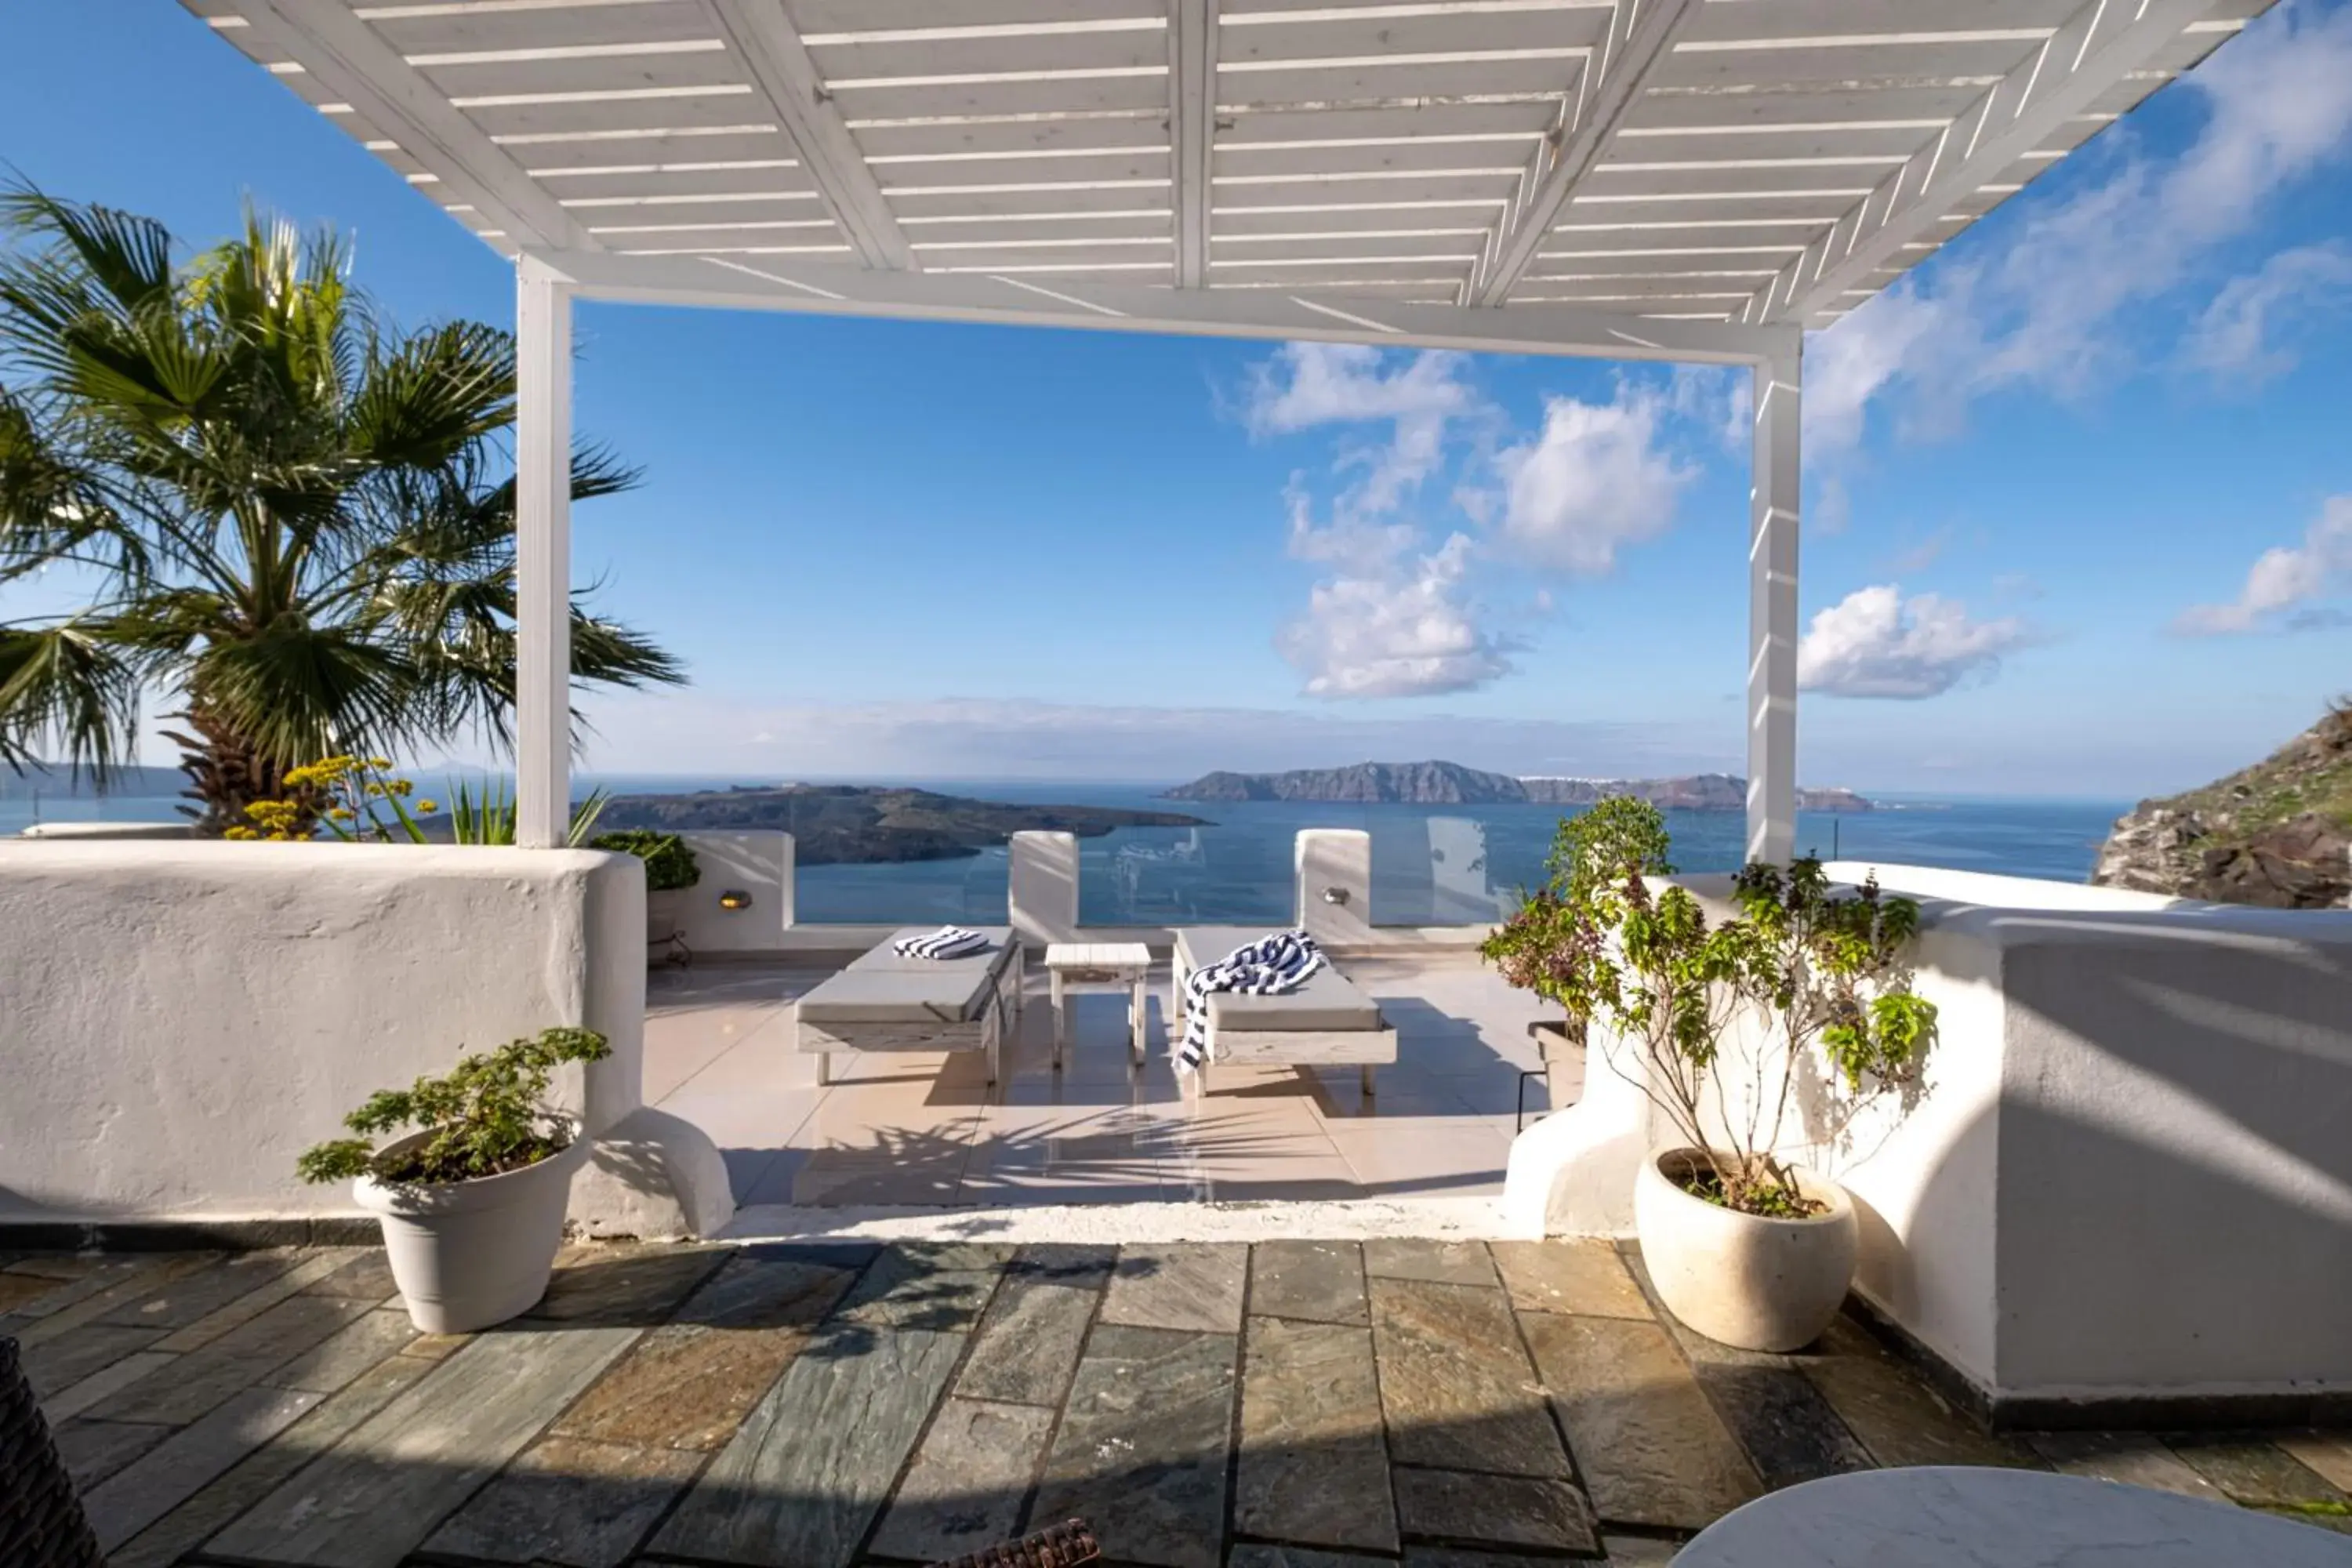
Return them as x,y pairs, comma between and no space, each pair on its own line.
1290,1405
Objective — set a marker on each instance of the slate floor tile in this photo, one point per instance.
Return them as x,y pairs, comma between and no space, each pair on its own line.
1441,1262
1141,1450
2134,1459
943,1290
183,1302
1587,1278
1196,1286
967,1484
1455,1387
93,1450
67,1360
803,1479
1463,1507
2255,1471
174,1469
369,1502
622,1284
207,1512
683,1386
1314,1464
103,1384
366,1276
1318,1281
1898,1418
1027,1344
1651,1448
568,1504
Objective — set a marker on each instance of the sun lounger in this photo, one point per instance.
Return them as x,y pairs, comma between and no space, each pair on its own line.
884,1002
1326,1022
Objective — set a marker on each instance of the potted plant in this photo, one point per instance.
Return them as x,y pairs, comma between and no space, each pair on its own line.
1741,1243
472,1201
670,869
1556,943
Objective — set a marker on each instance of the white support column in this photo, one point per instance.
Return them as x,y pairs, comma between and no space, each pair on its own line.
1772,625
542,729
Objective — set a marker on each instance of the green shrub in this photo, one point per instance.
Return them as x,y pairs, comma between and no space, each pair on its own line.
669,864
485,1117
1820,969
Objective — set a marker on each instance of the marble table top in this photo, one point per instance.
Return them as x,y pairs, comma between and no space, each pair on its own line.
1956,1517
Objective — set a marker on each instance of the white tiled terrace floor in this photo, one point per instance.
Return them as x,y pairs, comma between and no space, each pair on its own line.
921,1129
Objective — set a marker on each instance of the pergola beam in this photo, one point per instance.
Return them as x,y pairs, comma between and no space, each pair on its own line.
1192,131
779,62
2096,48
1640,36
344,55
782,283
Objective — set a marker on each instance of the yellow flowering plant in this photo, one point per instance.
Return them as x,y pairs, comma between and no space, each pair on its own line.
350,797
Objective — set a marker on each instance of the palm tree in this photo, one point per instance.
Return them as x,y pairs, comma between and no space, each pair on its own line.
294,521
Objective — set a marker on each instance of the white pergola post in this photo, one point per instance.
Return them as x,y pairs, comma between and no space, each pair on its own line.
542,556
1772,626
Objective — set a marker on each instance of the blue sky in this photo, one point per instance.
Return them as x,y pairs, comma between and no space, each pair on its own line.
2079,502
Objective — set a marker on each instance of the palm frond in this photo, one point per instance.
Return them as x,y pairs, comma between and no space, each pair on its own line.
65,691
298,692
127,256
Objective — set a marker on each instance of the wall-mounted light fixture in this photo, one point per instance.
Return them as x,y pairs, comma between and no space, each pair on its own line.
734,898
1335,895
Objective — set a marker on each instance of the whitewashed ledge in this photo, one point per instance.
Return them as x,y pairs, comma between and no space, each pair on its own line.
1442,1219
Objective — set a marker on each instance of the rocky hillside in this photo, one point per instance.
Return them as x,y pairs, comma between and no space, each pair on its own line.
835,824
2278,834
1450,784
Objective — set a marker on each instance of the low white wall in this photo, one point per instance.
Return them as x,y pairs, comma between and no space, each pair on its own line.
2123,1174
182,1020
758,864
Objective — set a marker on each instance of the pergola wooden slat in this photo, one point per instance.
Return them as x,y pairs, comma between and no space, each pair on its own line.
1679,180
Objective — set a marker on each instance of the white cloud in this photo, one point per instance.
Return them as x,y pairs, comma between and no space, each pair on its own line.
1411,630
1598,478
2042,313
1876,643
2283,578
1310,385
2235,337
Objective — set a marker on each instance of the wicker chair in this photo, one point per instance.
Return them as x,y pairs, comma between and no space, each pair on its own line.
1067,1545
41,1522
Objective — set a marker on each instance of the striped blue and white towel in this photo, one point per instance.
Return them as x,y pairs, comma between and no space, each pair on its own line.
1275,965
948,941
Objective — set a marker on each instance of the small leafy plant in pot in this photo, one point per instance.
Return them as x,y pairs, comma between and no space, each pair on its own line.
1742,1243
670,869
471,1201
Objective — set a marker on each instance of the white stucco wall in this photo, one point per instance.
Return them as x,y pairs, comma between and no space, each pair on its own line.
181,1019
2122,1173
760,864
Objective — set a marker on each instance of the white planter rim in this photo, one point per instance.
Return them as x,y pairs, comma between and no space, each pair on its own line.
474,1191
1810,1183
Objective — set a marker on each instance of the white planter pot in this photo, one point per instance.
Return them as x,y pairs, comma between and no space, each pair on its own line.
470,1253
1742,1280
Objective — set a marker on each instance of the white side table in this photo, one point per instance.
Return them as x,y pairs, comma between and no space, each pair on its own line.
1073,965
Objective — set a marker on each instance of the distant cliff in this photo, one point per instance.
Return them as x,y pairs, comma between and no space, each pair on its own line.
2277,833
1450,784
835,824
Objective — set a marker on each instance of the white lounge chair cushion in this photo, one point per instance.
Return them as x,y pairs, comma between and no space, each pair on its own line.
1328,1001
883,987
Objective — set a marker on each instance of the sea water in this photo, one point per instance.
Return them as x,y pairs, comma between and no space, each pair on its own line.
1432,865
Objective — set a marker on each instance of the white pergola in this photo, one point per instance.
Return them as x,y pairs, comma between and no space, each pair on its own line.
1679,180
